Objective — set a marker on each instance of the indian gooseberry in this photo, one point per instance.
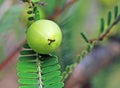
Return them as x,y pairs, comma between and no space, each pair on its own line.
44,36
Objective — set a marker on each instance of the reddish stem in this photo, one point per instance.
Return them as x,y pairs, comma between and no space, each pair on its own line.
101,37
11,56
59,11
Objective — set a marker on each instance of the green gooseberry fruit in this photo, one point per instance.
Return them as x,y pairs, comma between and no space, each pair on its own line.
44,36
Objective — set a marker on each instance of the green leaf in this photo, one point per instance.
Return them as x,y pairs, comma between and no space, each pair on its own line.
51,75
109,18
28,58
49,62
37,15
50,69
52,81
35,0
56,85
27,52
84,37
102,25
26,46
38,71
116,11
27,75
28,81
27,64
27,69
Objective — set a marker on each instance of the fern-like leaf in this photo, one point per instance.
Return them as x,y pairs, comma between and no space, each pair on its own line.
109,18
116,11
38,71
102,27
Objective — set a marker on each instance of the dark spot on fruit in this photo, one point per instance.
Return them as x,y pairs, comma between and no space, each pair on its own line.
50,41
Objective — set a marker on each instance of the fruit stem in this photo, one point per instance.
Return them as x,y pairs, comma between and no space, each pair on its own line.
50,41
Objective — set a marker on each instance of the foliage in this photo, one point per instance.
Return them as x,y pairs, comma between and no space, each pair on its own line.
76,40
38,71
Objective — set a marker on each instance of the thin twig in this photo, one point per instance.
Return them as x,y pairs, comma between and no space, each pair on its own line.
59,11
109,28
11,56
101,37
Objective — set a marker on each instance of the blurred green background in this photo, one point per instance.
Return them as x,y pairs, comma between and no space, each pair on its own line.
83,16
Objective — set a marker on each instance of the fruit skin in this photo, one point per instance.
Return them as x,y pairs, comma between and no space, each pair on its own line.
44,36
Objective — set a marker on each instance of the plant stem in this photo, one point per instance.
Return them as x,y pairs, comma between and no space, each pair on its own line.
11,56
39,71
59,11
101,37
109,28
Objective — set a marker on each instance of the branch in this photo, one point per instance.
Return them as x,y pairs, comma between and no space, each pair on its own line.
59,11
108,30
95,61
11,56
